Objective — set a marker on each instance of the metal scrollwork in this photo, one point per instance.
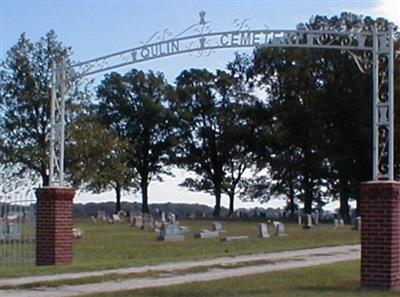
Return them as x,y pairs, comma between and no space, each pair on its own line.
242,24
371,48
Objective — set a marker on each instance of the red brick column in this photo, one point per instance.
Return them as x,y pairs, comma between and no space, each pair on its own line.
54,226
380,234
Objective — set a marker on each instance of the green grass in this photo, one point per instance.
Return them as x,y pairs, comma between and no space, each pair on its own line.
112,246
334,280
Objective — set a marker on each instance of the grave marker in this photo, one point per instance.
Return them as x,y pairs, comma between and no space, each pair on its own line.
217,226
171,232
263,230
207,234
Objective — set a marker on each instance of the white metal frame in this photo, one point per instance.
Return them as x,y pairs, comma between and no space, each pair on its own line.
371,48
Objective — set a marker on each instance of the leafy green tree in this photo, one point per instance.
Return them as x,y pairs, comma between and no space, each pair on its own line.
136,108
347,112
201,150
25,102
98,158
242,115
336,106
218,137
293,77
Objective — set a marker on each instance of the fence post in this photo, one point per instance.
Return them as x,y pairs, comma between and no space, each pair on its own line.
54,225
380,234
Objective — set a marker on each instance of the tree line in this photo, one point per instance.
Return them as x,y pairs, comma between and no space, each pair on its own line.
287,122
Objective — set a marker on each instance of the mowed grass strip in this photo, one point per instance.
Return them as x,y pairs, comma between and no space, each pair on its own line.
333,280
108,246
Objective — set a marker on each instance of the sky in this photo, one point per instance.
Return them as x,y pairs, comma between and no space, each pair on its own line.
96,28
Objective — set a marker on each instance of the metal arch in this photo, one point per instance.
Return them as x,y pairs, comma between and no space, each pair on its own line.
206,43
372,50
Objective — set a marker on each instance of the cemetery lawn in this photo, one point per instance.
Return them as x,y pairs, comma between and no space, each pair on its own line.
106,246
333,280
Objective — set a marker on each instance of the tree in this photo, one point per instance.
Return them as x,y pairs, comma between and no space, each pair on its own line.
136,108
25,102
294,154
201,150
339,105
347,112
242,115
217,137
98,158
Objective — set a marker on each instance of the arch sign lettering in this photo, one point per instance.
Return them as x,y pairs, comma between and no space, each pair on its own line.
372,49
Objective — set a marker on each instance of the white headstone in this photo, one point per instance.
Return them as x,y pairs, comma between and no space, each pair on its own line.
172,218
335,223
280,229
163,219
207,234
309,223
341,222
138,221
263,230
116,218
217,226
316,217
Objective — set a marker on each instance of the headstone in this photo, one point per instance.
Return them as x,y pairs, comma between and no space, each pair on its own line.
184,229
116,218
122,214
207,234
234,238
341,223
93,219
101,215
308,224
148,222
77,233
263,230
357,223
316,217
171,232
299,220
335,223
163,219
172,218
158,224
138,221
217,226
280,228
14,231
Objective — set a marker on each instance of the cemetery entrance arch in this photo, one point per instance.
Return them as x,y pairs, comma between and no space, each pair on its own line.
372,49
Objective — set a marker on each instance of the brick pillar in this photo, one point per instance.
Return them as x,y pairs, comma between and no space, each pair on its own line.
380,234
54,226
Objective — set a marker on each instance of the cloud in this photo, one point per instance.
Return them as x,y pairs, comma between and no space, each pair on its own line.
389,9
